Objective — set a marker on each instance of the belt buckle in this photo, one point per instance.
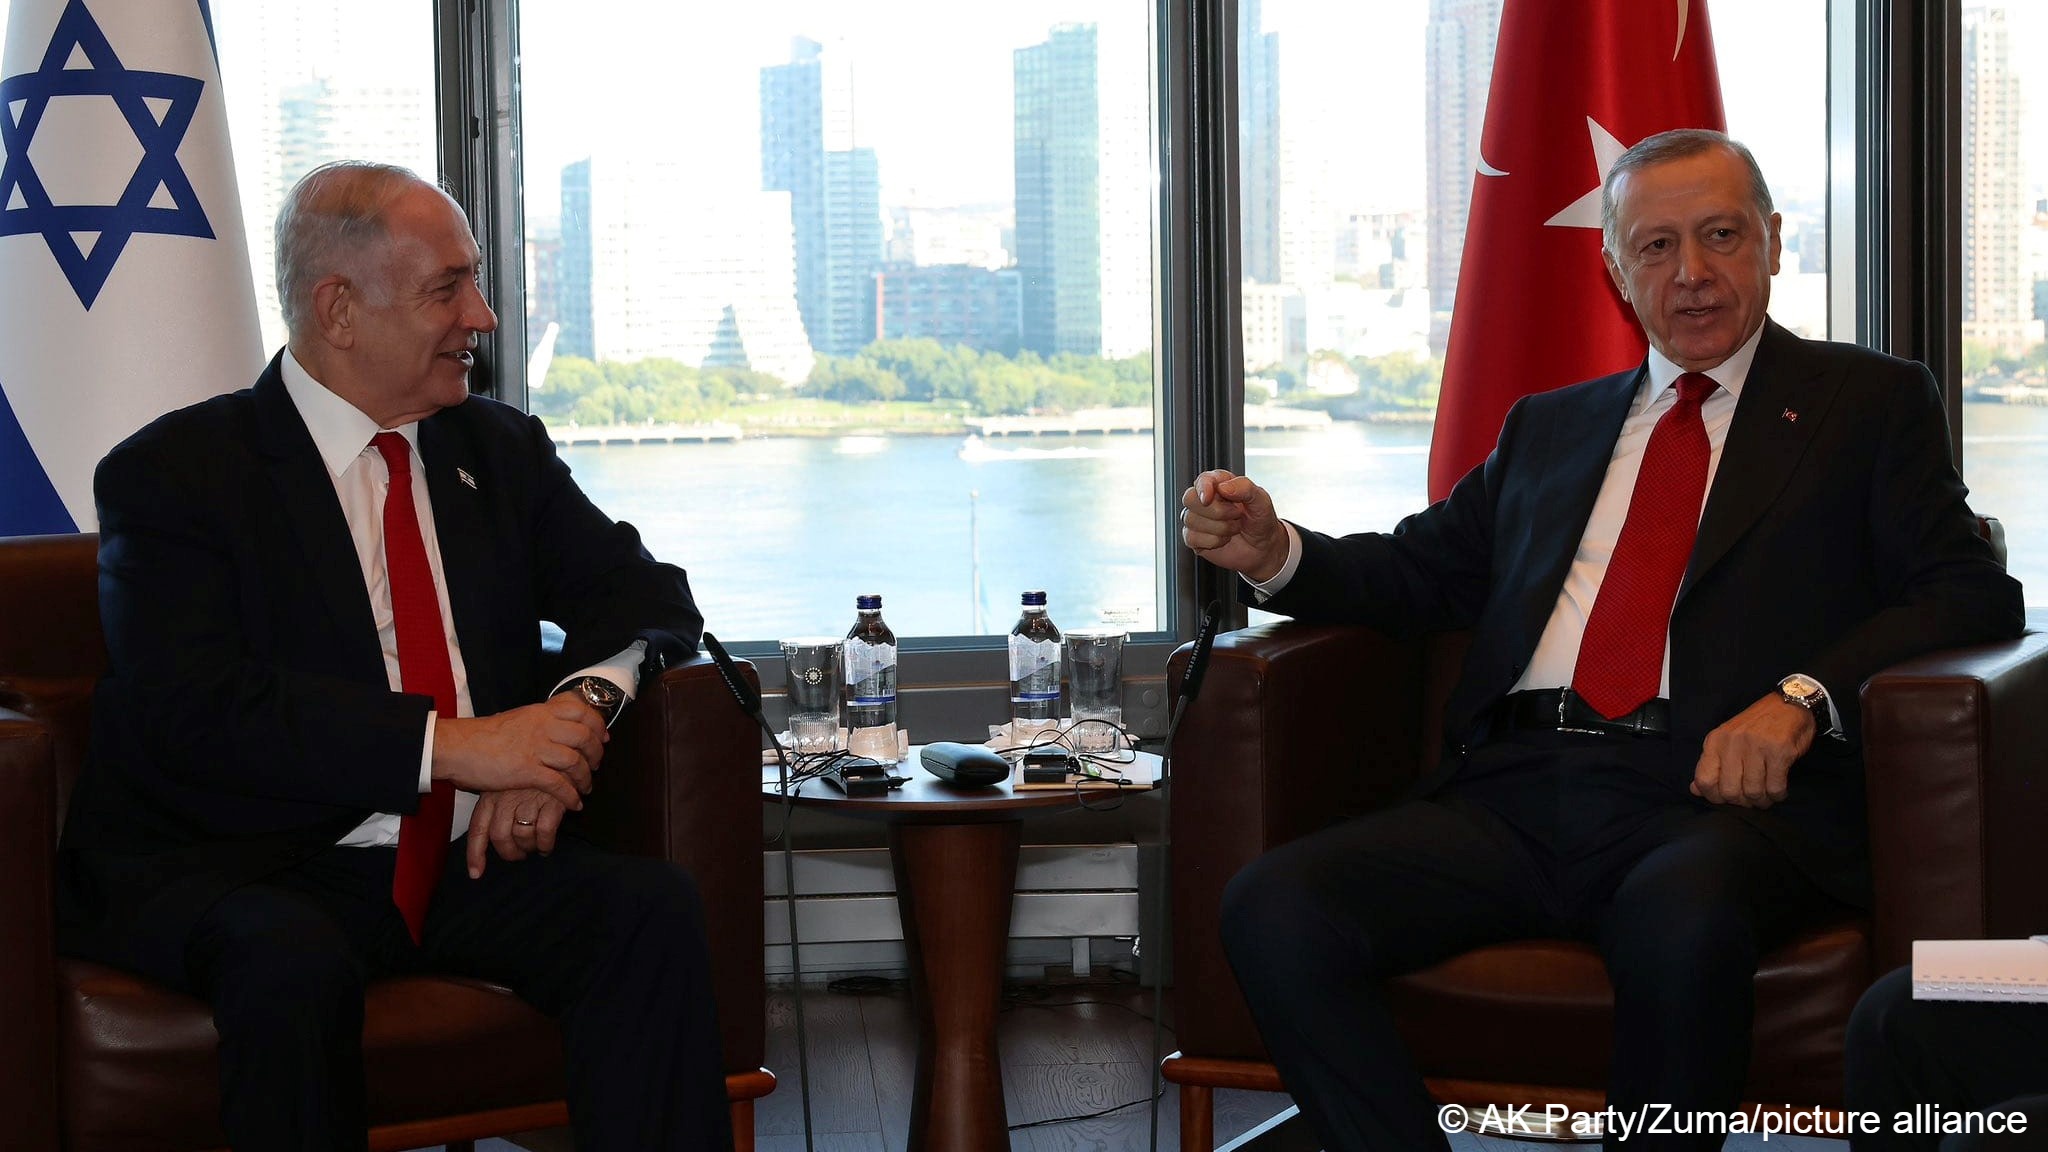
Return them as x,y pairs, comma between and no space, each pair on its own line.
1564,698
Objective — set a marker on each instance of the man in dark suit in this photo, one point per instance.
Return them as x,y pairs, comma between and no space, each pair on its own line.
322,599
1676,578
1920,1059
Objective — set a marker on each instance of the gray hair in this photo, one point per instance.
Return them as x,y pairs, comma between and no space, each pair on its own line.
1677,144
330,218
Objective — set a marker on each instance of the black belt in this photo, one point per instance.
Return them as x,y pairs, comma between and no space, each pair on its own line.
1563,710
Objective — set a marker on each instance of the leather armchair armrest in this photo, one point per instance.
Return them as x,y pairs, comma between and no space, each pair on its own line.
28,981
1299,724
681,780
1296,726
1956,764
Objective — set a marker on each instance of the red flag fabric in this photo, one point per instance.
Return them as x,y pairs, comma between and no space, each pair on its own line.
1575,83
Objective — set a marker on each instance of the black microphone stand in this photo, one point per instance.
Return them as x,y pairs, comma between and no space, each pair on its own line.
1190,686
749,701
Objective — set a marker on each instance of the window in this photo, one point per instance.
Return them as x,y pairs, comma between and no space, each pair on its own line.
827,300
1353,223
830,255
2005,276
310,84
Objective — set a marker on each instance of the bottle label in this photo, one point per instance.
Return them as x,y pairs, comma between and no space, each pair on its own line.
864,661
1031,657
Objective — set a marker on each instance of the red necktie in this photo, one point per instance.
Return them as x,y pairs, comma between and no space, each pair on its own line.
423,668
1621,655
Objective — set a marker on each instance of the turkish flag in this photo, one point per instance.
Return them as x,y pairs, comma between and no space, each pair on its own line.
1575,83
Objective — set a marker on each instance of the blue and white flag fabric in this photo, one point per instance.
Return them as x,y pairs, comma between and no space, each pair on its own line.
124,270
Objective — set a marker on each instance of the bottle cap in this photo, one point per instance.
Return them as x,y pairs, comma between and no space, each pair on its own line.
1034,599
868,602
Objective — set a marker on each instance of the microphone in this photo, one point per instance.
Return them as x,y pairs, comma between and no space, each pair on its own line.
1190,687
749,700
743,693
1191,681
1198,664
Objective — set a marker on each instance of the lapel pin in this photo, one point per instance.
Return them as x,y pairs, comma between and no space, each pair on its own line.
1791,417
469,480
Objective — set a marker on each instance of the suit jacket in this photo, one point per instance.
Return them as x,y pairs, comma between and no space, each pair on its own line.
1835,541
246,721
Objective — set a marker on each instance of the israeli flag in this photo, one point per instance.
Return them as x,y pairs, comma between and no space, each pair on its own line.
124,271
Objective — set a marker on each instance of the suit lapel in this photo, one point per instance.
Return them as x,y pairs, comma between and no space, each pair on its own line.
1783,402
456,486
1573,461
306,491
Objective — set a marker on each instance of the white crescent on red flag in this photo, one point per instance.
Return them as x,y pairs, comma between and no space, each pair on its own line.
1575,83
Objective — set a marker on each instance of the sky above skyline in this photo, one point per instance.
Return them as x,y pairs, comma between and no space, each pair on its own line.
934,82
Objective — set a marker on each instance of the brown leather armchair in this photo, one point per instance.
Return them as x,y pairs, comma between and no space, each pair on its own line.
1956,751
96,1058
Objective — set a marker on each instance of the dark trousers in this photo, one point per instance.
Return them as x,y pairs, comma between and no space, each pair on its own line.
611,946
1959,1055
1543,835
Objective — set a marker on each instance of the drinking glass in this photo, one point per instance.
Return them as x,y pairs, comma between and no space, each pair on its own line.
812,664
1095,681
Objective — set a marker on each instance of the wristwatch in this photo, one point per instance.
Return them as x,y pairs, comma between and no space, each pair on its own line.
1807,693
608,698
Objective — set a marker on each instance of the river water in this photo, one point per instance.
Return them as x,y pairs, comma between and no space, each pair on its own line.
779,535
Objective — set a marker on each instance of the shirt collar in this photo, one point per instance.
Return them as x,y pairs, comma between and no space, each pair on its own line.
340,429
1729,373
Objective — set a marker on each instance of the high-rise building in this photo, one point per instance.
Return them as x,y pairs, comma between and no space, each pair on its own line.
572,278
312,84
1083,178
960,304
1458,72
1258,143
810,149
952,234
1058,170
543,250
689,270
1998,304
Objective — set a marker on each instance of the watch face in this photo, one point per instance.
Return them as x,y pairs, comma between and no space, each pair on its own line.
1801,690
600,694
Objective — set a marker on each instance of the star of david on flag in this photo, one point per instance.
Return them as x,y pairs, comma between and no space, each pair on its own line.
156,105
125,289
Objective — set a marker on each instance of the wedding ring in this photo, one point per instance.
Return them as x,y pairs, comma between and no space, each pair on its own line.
522,823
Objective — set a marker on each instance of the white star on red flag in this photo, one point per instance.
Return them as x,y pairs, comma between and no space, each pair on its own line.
1585,211
1534,307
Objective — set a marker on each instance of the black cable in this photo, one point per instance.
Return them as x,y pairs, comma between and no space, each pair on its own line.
748,698
796,966
1153,1100
1138,1012
864,985
1024,996
1190,685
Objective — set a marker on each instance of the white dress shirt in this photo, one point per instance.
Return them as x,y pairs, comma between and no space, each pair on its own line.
342,434
1557,652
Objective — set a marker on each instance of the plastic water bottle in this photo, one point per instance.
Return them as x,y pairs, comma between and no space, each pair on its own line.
1034,670
870,657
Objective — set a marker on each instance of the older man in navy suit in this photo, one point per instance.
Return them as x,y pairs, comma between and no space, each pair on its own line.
1676,577
327,748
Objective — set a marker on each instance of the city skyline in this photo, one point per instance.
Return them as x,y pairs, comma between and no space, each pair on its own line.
324,86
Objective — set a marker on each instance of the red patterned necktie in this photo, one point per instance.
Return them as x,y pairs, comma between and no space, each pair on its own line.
423,668
1621,655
